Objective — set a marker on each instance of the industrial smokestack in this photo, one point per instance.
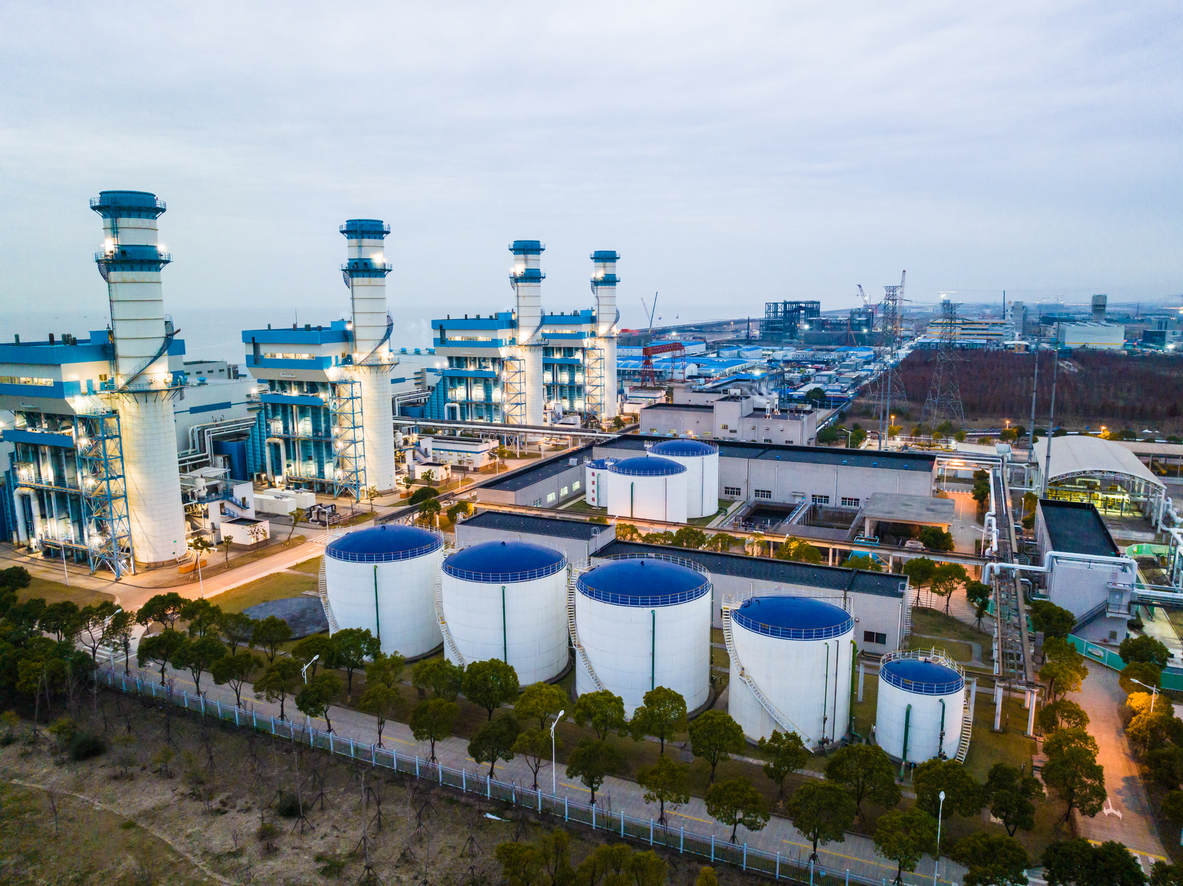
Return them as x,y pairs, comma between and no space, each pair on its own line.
1100,302
603,285
526,280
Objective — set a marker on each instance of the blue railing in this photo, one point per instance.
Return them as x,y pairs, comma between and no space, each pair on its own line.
499,577
634,600
920,687
826,633
383,556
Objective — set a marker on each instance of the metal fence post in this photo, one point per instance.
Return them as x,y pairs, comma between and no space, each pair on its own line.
236,710
201,698
712,847
681,839
331,751
778,865
622,822
218,707
416,766
650,832
440,768
273,724
373,760
488,787
593,816
745,855
848,877
464,781
565,810
352,751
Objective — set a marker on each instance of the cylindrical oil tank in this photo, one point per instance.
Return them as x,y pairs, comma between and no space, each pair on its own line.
645,622
701,461
920,708
798,652
595,475
383,579
647,489
508,600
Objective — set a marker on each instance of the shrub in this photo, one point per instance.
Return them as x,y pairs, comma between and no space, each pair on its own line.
422,494
287,805
84,746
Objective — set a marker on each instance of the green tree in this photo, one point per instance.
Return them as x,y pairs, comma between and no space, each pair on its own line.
1063,668
350,650
1062,714
862,561
278,681
664,783
735,802
432,720
1010,792
1115,865
690,537
822,811
904,837
662,716
963,794
317,695
1144,672
490,684
62,619
591,761
1073,772
722,542
1068,863
238,629
946,578
786,754
535,746
706,877
117,635
494,741
1053,620
422,494
540,701
715,736
1144,649
459,510
439,676
197,656
202,617
936,539
603,711
799,550
383,701
385,669
271,633
236,669
627,532
160,648
867,772
313,651
992,860
162,608
92,621
978,596
920,571
521,865
429,511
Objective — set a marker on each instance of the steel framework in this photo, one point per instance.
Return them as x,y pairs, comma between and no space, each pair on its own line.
349,457
891,385
106,526
594,382
944,395
513,391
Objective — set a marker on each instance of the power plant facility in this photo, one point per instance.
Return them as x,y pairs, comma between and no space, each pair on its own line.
642,488
383,580
639,623
506,600
791,660
920,712
701,461
528,367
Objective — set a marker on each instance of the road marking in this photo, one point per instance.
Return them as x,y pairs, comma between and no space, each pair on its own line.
691,817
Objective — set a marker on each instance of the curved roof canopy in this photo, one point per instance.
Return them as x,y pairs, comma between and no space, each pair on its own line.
1077,456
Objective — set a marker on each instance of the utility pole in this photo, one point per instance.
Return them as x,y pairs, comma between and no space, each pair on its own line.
1034,391
1051,424
944,395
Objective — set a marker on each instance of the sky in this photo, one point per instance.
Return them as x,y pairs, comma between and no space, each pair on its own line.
732,153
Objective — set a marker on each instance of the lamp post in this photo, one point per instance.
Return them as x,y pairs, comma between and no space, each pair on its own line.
937,864
304,670
1153,693
554,778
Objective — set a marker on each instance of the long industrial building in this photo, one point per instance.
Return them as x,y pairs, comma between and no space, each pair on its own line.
525,366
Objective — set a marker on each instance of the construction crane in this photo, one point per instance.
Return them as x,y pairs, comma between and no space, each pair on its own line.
652,312
866,299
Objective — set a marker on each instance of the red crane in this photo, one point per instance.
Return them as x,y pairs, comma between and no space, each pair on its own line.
648,376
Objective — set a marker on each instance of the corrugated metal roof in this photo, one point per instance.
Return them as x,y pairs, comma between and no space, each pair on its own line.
526,524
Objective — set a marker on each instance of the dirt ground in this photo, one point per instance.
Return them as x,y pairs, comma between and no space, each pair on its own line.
176,801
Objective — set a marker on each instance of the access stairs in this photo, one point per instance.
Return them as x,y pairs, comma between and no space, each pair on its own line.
572,581
449,641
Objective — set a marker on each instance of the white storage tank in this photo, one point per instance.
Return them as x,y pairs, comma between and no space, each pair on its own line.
798,652
921,706
647,489
701,461
644,622
383,579
595,475
508,600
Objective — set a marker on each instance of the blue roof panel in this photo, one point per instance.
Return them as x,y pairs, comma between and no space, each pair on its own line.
651,466
793,618
498,562
383,544
684,448
643,581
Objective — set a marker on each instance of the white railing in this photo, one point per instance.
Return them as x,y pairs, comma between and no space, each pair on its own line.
572,581
322,590
438,594
967,723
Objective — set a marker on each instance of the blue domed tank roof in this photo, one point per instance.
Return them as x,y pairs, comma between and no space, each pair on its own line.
383,544
498,562
647,466
921,677
643,581
684,448
793,618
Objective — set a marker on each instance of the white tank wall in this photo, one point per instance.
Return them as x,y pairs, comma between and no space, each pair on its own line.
924,725
619,642
377,424
153,482
403,615
647,498
792,676
593,483
702,482
531,630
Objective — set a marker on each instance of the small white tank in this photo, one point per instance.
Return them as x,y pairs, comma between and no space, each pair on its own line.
798,652
383,579
645,622
701,461
508,600
921,706
643,488
595,475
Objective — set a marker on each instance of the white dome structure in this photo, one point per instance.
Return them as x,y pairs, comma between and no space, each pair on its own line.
701,461
383,579
644,622
644,488
921,706
793,655
508,600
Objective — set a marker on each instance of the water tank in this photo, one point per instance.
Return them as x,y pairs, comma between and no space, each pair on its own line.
645,622
647,489
701,461
798,652
921,706
595,475
383,579
508,600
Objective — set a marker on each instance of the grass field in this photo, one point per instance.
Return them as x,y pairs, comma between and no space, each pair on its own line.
312,567
271,587
960,652
1010,746
936,624
56,592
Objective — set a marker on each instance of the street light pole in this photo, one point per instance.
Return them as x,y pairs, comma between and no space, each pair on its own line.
304,670
1153,696
554,783
937,865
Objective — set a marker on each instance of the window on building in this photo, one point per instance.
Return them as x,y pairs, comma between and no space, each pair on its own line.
723,427
575,486
564,492
733,491
821,499
550,496
851,502
762,493
874,637
767,439
537,502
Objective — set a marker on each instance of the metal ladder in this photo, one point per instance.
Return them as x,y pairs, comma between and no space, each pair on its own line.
967,727
572,579
746,678
322,590
439,613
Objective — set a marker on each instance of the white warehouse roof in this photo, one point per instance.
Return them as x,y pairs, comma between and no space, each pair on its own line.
1076,455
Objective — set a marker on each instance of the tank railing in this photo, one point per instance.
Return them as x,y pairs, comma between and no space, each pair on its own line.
826,633
922,687
505,577
322,591
654,600
667,558
708,846
934,654
384,556
629,472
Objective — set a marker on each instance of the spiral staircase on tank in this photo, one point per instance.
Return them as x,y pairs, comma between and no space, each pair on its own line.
573,574
439,612
322,591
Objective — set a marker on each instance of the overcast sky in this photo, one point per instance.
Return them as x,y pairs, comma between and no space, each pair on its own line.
733,153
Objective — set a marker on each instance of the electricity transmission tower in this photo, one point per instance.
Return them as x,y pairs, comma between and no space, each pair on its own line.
944,396
891,385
